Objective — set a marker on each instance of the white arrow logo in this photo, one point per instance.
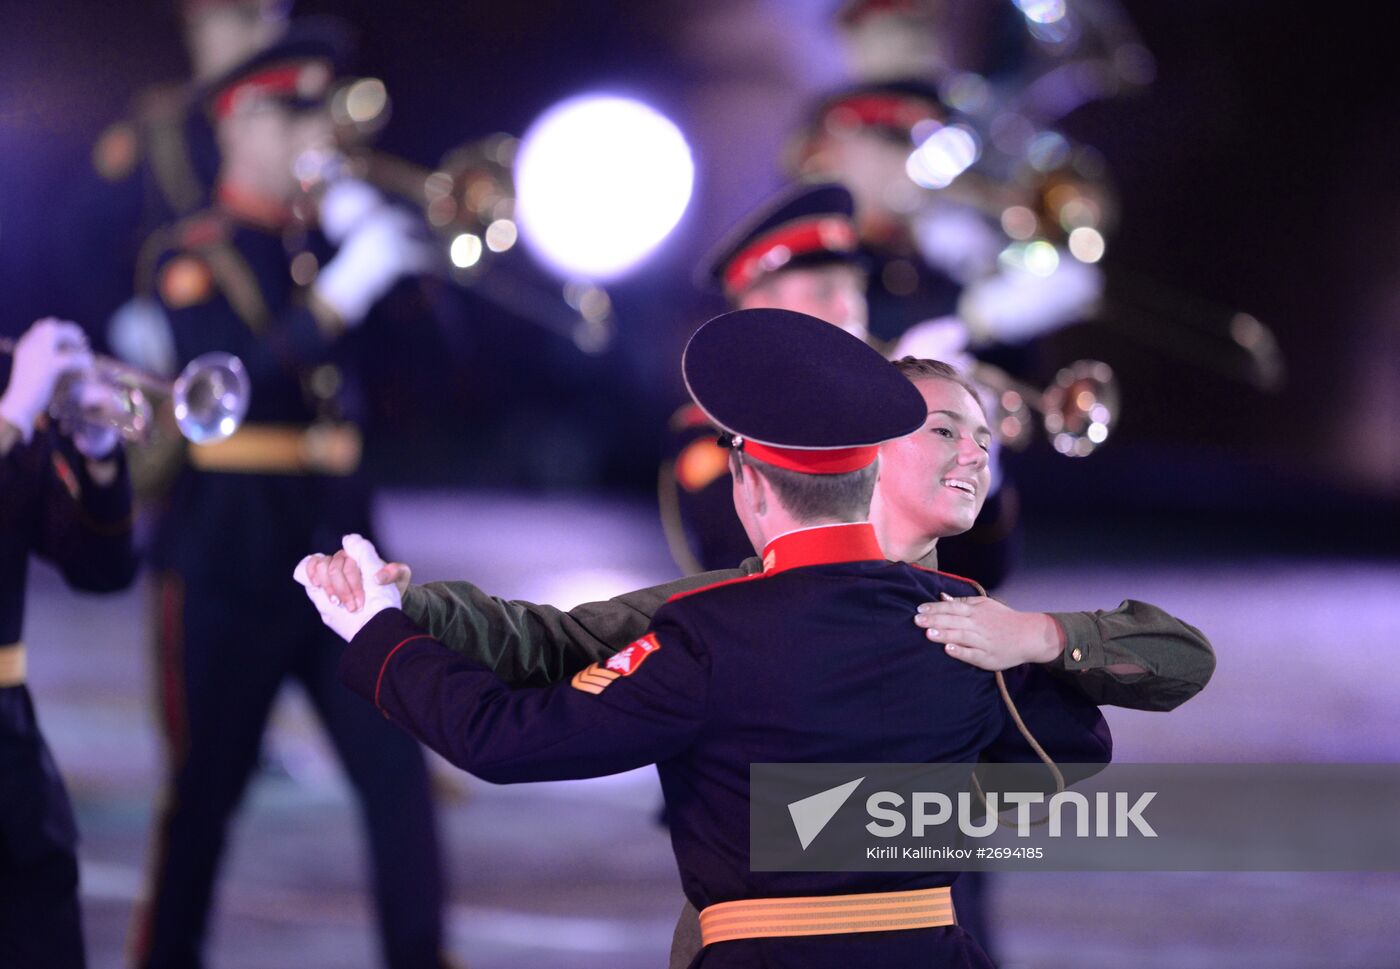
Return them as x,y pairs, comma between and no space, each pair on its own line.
811,814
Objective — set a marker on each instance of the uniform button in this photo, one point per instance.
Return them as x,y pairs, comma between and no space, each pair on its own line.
1076,654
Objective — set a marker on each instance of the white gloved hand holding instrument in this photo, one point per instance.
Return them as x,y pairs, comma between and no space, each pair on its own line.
379,244
47,350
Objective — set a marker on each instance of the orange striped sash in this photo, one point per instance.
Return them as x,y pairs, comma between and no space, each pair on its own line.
758,918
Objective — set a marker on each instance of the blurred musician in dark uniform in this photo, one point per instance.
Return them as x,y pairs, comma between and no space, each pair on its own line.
800,251
153,166
66,499
292,300
793,663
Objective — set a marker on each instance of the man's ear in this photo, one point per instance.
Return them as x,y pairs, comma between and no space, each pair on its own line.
751,485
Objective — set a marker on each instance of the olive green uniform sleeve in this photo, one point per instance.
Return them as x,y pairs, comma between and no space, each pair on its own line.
1135,656
527,644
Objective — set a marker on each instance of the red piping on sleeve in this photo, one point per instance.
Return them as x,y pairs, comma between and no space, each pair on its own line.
379,680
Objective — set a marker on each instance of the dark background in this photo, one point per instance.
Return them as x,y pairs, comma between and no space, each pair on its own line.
1256,173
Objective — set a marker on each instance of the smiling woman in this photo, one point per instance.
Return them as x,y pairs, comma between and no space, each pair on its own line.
933,482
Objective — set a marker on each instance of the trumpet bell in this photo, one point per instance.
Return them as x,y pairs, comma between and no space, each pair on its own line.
210,397
1081,406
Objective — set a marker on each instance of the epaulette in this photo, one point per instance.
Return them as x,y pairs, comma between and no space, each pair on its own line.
976,586
715,585
187,263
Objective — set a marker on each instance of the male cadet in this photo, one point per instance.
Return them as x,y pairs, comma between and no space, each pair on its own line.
68,500
247,278
812,660
801,251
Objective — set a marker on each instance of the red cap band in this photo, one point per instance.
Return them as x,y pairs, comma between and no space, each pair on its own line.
771,252
835,461
897,111
278,79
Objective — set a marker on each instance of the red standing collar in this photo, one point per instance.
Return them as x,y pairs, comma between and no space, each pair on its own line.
822,545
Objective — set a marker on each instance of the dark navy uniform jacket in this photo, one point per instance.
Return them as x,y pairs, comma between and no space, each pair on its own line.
225,285
49,507
816,659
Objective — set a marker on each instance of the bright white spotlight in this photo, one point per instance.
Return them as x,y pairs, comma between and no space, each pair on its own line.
602,181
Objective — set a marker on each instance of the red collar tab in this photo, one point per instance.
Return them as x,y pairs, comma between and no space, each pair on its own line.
823,545
307,80
830,461
898,111
252,207
774,250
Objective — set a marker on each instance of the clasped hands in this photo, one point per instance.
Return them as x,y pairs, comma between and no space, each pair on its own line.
977,630
334,585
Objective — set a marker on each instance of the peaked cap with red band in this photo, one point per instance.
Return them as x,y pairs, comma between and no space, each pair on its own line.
803,225
300,67
892,107
796,392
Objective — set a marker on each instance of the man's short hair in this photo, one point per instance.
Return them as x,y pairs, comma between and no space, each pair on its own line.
818,497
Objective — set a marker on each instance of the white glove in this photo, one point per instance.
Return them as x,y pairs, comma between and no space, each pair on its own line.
377,597
944,338
1014,305
957,239
346,203
379,251
47,350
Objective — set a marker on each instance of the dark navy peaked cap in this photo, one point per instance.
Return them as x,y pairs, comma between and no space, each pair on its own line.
803,225
300,66
796,392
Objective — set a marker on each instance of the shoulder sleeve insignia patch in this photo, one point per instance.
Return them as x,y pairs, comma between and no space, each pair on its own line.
596,678
593,679
700,463
185,281
625,661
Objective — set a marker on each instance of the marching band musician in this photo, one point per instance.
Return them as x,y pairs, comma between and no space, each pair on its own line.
801,251
67,499
247,277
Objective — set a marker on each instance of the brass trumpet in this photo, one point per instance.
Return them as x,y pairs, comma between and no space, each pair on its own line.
1077,410
209,398
468,200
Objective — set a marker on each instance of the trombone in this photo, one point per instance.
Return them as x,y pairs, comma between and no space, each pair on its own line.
468,200
1077,410
209,398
